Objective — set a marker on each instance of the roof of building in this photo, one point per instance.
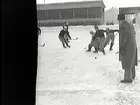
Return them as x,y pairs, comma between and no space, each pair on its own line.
129,10
66,5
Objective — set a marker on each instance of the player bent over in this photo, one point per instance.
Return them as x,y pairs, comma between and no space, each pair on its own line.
101,38
93,43
63,35
110,36
68,36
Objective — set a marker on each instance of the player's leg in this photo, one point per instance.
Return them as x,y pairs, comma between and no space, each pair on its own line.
62,41
107,39
89,47
96,45
112,42
101,47
66,40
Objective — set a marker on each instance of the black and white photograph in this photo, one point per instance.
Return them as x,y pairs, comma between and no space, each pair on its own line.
88,52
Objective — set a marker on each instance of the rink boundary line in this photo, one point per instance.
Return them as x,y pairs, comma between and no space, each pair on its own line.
73,91
70,91
98,91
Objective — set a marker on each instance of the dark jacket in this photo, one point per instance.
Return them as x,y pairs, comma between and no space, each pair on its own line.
99,33
62,33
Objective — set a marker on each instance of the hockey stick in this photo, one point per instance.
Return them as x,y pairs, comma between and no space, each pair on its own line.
85,48
42,45
75,38
117,52
116,34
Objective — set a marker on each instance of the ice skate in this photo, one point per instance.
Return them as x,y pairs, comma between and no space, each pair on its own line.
64,45
67,45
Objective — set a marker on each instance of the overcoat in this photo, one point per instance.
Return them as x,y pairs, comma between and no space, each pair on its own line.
127,41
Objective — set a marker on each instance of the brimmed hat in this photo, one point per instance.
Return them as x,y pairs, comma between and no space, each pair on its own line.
121,17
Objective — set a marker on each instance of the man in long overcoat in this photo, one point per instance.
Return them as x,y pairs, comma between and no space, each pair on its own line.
127,49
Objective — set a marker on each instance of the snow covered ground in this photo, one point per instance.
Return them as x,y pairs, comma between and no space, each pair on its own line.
74,77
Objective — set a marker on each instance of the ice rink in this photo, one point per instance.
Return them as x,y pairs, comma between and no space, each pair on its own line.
74,77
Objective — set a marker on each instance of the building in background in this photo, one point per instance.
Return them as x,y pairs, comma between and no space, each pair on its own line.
111,16
75,13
